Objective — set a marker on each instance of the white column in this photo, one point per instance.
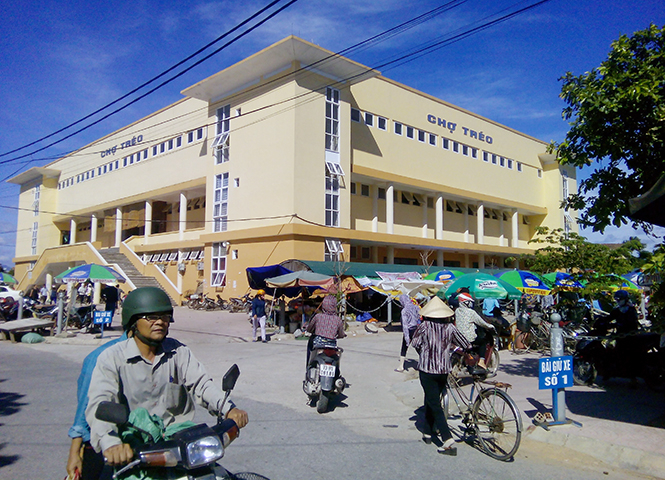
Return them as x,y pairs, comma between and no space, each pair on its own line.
481,260
516,229
390,208
97,293
390,254
502,236
439,217
425,217
439,258
147,220
183,216
93,228
72,231
480,221
465,207
375,208
118,226
181,274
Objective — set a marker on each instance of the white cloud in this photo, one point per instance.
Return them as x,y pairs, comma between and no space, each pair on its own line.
622,234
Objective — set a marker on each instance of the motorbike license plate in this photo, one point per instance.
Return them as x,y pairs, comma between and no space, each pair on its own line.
327,370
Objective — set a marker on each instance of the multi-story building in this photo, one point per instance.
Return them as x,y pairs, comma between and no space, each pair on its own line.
292,153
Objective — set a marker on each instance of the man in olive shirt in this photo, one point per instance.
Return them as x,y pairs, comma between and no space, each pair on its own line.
151,371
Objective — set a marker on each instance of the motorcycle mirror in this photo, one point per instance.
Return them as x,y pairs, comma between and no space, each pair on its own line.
112,412
230,378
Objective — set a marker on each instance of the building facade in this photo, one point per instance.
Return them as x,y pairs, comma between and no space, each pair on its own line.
292,153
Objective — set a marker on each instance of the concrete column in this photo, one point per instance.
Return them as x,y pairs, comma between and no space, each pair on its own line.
465,207
481,260
439,258
375,208
516,229
72,231
439,217
93,228
390,208
96,293
118,226
147,220
425,217
181,275
49,285
391,254
502,236
183,216
466,261
480,221
375,254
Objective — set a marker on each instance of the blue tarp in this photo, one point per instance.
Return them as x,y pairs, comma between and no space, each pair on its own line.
256,277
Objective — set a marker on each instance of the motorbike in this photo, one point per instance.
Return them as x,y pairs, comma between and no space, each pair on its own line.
323,378
460,363
8,308
190,454
632,356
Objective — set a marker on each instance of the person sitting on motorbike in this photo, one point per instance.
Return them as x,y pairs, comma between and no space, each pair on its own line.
326,326
467,320
623,316
492,312
151,371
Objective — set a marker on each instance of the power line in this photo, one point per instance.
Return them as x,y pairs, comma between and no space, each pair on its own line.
279,10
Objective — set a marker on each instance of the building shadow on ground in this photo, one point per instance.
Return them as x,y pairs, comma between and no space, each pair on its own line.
10,403
517,365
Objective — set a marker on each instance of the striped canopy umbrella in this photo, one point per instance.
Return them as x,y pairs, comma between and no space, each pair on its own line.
91,272
482,285
562,280
444,276
7,278
525,281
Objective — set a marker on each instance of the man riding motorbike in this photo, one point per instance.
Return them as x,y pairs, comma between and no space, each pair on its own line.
151,371
623,317
467,321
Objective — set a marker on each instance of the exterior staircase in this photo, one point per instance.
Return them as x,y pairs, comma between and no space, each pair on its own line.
113,256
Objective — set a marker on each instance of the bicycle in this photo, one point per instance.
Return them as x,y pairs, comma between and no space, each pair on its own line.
491,416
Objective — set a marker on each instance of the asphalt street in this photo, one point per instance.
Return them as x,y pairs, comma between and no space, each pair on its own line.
370,433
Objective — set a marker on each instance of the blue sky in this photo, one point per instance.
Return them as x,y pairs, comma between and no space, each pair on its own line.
63,60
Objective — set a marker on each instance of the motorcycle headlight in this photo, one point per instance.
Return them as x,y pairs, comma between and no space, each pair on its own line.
204,451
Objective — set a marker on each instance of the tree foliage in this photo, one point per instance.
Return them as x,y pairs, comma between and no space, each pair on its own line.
617,114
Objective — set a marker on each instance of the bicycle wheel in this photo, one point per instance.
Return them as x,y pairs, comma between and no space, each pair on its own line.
498,423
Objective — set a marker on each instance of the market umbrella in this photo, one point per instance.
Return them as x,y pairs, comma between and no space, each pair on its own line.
562,280
92,272
444,276
618,282
482,285
301,278
7,278
525,281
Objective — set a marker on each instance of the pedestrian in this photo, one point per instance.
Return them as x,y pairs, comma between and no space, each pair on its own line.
410,321
433,340
110,296
54,293
43,294
89,290
259,315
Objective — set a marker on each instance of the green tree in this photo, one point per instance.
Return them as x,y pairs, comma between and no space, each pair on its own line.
617,114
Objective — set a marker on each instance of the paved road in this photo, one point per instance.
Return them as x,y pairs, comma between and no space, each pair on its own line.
370,434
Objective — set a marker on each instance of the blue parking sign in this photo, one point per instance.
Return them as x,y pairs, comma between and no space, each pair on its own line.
555,372
103,318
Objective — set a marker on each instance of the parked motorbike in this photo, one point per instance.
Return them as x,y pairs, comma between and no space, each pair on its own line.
190,454
8,308
323,378
630,356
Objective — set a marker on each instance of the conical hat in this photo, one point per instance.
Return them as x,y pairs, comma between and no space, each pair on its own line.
435,308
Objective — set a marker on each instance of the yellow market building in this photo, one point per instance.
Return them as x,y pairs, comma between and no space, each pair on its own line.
292,153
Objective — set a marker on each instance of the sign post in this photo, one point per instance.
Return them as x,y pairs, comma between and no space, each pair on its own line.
103,318
556,373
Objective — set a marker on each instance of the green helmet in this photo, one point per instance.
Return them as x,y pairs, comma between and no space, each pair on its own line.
142,301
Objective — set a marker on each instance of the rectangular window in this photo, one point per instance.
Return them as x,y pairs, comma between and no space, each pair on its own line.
178,142
502,161
432,139
190,137
154,151
332,119
398,128
421,136
382,193
355,115
409,132
35,200
220,203
494,159
353,188
445,143
35,226
510,163
486,157
455,147
117,164
162,147
334,250
365,253
540,173
369,119
332,201
221,143
364,190
334,169
382,123
200,133
218,266
170,144
474,153
519,166
465,150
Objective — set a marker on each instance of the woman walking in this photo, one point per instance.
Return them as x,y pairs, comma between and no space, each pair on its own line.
433,340
410,321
